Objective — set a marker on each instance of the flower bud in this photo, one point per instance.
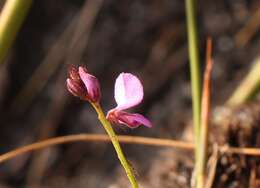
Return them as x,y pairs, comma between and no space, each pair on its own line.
77,89
91,83
73,72
82,84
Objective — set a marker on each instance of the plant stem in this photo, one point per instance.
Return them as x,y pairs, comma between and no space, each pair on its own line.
106,124
205,108
195,74
11,18
194,64
248,87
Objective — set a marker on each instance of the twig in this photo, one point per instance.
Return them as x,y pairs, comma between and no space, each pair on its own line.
159,142
95,138
249,30
240,151
11,19
213,161
203,152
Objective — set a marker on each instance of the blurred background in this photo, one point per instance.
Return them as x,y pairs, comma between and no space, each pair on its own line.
147,38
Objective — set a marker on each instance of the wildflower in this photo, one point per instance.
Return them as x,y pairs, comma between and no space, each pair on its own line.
83,85
128,93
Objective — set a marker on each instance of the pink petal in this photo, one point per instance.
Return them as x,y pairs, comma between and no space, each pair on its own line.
91,83
133,120
128,91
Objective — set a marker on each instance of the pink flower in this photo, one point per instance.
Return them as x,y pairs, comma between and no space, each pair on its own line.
128,93
83,85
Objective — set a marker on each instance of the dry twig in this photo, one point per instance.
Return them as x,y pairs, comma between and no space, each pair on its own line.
123,139
249,30
213,161
205,108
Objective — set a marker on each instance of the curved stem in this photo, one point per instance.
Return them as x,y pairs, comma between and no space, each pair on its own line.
97,138
11,18
114,139
159,142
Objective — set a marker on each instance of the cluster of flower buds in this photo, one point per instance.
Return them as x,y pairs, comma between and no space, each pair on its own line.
128,93
83,85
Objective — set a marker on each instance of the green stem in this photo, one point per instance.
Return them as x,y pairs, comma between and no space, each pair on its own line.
248,87
194,65
11,18
106,124
195,73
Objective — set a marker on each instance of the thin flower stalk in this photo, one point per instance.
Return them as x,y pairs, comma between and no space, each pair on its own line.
107,126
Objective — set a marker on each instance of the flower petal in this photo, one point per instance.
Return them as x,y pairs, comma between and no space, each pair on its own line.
76,89
132,120
91,83
128,91
73,72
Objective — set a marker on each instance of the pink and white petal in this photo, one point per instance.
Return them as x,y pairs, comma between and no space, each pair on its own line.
133,120
128,91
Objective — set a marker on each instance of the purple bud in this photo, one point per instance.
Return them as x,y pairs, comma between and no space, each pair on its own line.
91,83
77,89
82,84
